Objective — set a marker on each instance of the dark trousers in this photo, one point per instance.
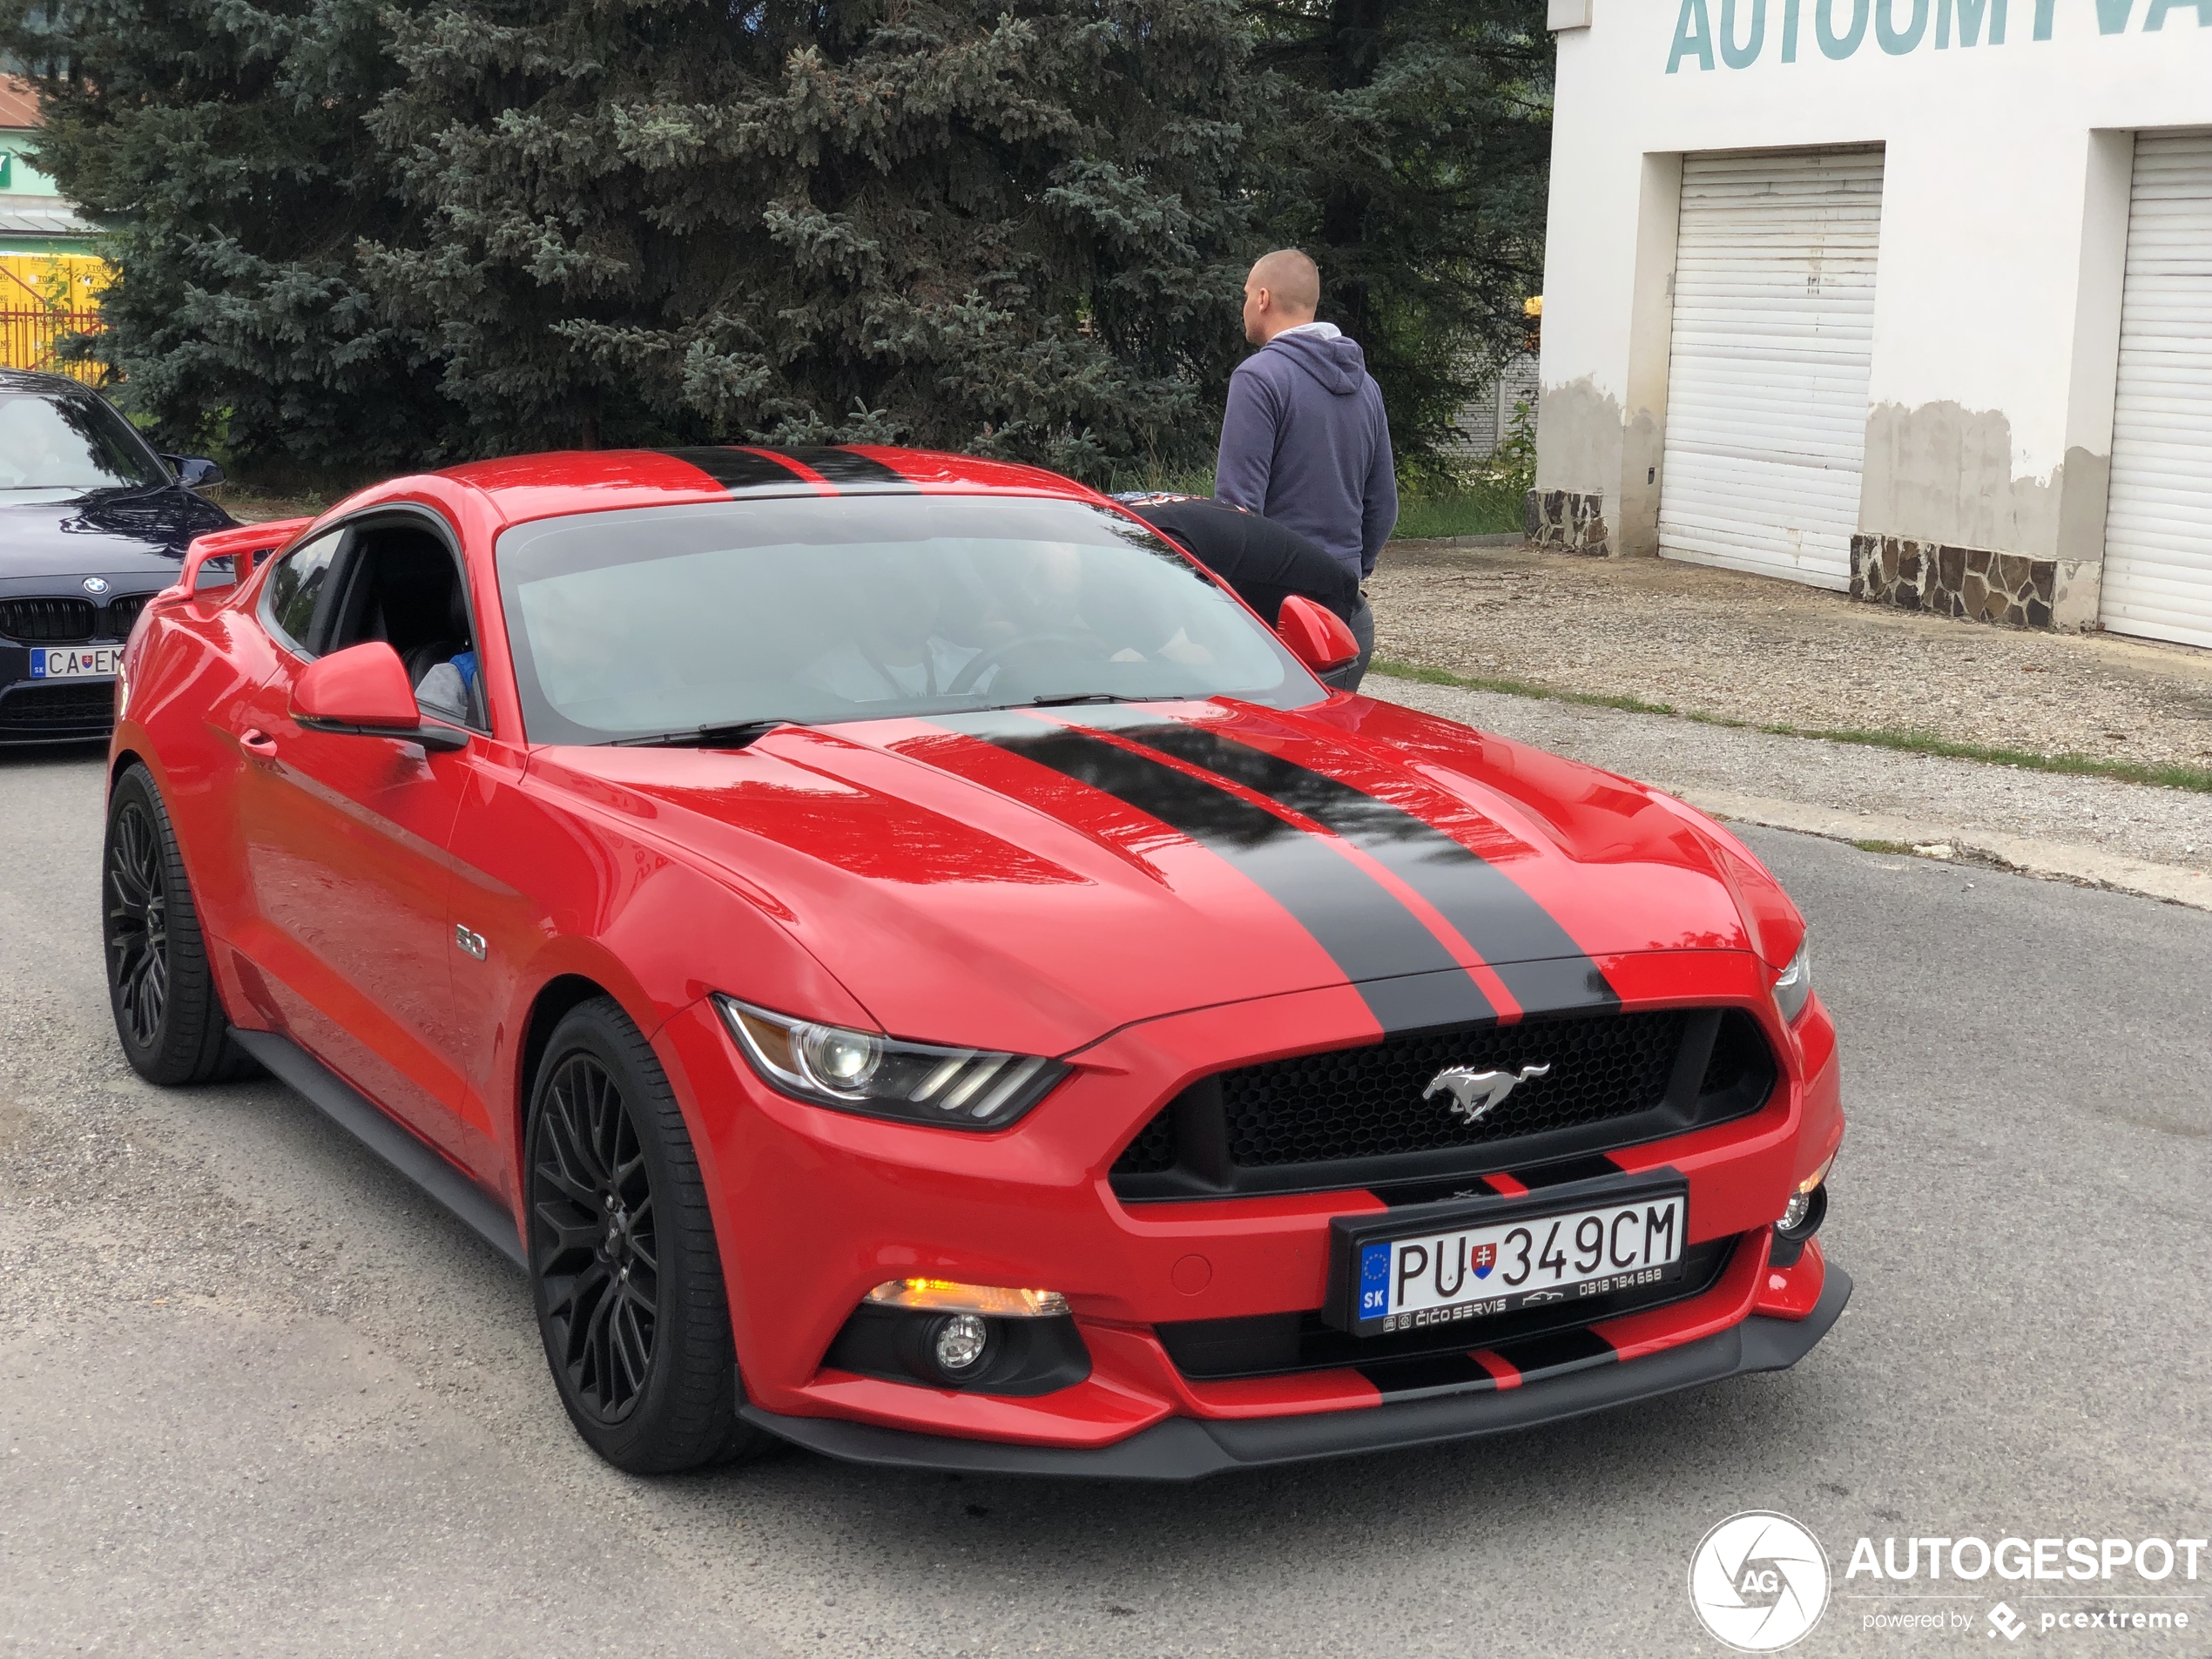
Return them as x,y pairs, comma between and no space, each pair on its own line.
1347,678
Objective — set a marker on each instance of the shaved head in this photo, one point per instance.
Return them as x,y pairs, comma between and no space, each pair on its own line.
1291,278
1282,291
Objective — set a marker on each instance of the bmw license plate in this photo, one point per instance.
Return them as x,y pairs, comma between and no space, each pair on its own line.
1523,1252
75,661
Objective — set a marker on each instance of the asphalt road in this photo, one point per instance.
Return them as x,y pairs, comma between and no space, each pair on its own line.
258,1396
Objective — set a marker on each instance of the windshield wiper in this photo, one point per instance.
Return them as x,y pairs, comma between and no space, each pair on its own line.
1072,698
734,735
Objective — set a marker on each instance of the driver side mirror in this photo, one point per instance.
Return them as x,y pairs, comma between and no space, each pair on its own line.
364,691
1316,635
194,472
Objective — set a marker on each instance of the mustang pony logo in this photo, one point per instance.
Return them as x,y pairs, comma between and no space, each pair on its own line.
1475,1093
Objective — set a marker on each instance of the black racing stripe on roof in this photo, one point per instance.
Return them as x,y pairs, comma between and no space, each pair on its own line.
741,470
1398,966
843,466
1538,959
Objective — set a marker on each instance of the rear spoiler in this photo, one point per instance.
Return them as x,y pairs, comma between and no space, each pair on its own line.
244,547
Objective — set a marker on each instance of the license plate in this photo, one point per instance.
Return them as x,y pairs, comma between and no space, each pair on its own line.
1518,1254
75,661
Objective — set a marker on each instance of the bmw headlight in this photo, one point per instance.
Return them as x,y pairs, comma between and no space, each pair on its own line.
1794,990
865,1071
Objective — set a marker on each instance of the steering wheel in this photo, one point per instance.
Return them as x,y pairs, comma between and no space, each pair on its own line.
965,680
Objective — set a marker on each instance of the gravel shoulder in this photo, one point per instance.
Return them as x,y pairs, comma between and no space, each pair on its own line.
1865,793
1731,646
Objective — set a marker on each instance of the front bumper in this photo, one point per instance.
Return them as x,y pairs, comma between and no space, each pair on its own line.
1188,1448
813,1208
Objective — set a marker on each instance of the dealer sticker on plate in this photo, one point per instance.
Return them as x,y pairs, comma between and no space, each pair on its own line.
1466,1272
75,661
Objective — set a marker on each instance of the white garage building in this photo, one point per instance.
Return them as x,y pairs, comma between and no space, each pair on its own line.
1906,298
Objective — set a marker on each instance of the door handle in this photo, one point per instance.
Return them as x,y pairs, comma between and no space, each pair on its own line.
257,741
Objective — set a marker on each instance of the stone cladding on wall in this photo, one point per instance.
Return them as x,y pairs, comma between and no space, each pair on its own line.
1570,519
1970,582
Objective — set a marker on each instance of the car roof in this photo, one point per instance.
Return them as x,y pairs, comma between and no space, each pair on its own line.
35,380
585,481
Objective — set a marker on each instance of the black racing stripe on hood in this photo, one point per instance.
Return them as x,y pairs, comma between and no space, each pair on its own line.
843,466
1539,961
738,470
1397,965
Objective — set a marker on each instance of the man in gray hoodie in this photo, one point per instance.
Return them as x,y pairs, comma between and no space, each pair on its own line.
1304,439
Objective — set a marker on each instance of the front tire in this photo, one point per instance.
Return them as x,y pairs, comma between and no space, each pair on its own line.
168,1014
623,1269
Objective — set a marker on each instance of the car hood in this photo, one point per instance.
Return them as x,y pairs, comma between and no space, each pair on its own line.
107,533
1035,881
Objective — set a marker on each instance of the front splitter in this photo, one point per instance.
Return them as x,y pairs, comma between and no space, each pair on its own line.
1190,1448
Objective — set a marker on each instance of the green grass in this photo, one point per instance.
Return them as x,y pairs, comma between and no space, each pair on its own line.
2132,772
1472,510
1476,511
1900,848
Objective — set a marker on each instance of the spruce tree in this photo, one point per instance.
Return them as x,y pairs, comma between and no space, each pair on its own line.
1004,226
1405,145
221,144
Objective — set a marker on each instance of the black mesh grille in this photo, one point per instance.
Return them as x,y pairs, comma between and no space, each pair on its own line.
1367,1102
47,622
1362,1116
63,710
1152,1151
122,613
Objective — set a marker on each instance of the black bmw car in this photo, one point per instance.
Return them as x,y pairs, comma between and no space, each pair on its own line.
92,523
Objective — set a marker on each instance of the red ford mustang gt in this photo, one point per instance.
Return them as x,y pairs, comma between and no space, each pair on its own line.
912,965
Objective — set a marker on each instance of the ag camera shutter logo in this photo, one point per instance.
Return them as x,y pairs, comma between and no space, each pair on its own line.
1758,1582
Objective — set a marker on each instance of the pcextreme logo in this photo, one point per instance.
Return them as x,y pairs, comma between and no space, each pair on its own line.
1758,1582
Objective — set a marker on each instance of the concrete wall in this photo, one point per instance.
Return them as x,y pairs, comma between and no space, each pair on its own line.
2004,221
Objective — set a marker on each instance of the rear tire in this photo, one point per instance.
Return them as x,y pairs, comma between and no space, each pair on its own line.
168,1014
625,1273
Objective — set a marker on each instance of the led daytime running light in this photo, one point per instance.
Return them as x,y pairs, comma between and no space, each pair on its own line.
867,1071
944,1296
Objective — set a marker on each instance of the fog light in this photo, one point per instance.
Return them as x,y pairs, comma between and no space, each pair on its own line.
1802,1217
959,1344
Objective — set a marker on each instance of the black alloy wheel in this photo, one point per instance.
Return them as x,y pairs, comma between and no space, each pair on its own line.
600,1258
168,1014
137,925
624,1271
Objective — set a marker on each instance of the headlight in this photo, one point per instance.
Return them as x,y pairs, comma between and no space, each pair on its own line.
865,1071
1794,990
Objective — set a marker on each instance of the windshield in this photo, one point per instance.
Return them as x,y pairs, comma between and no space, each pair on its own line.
823,609
51,441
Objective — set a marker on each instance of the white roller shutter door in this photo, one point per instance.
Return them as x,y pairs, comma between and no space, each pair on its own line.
1766,381
2158,528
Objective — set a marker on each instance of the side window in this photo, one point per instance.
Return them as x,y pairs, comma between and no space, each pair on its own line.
403,586
294,587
